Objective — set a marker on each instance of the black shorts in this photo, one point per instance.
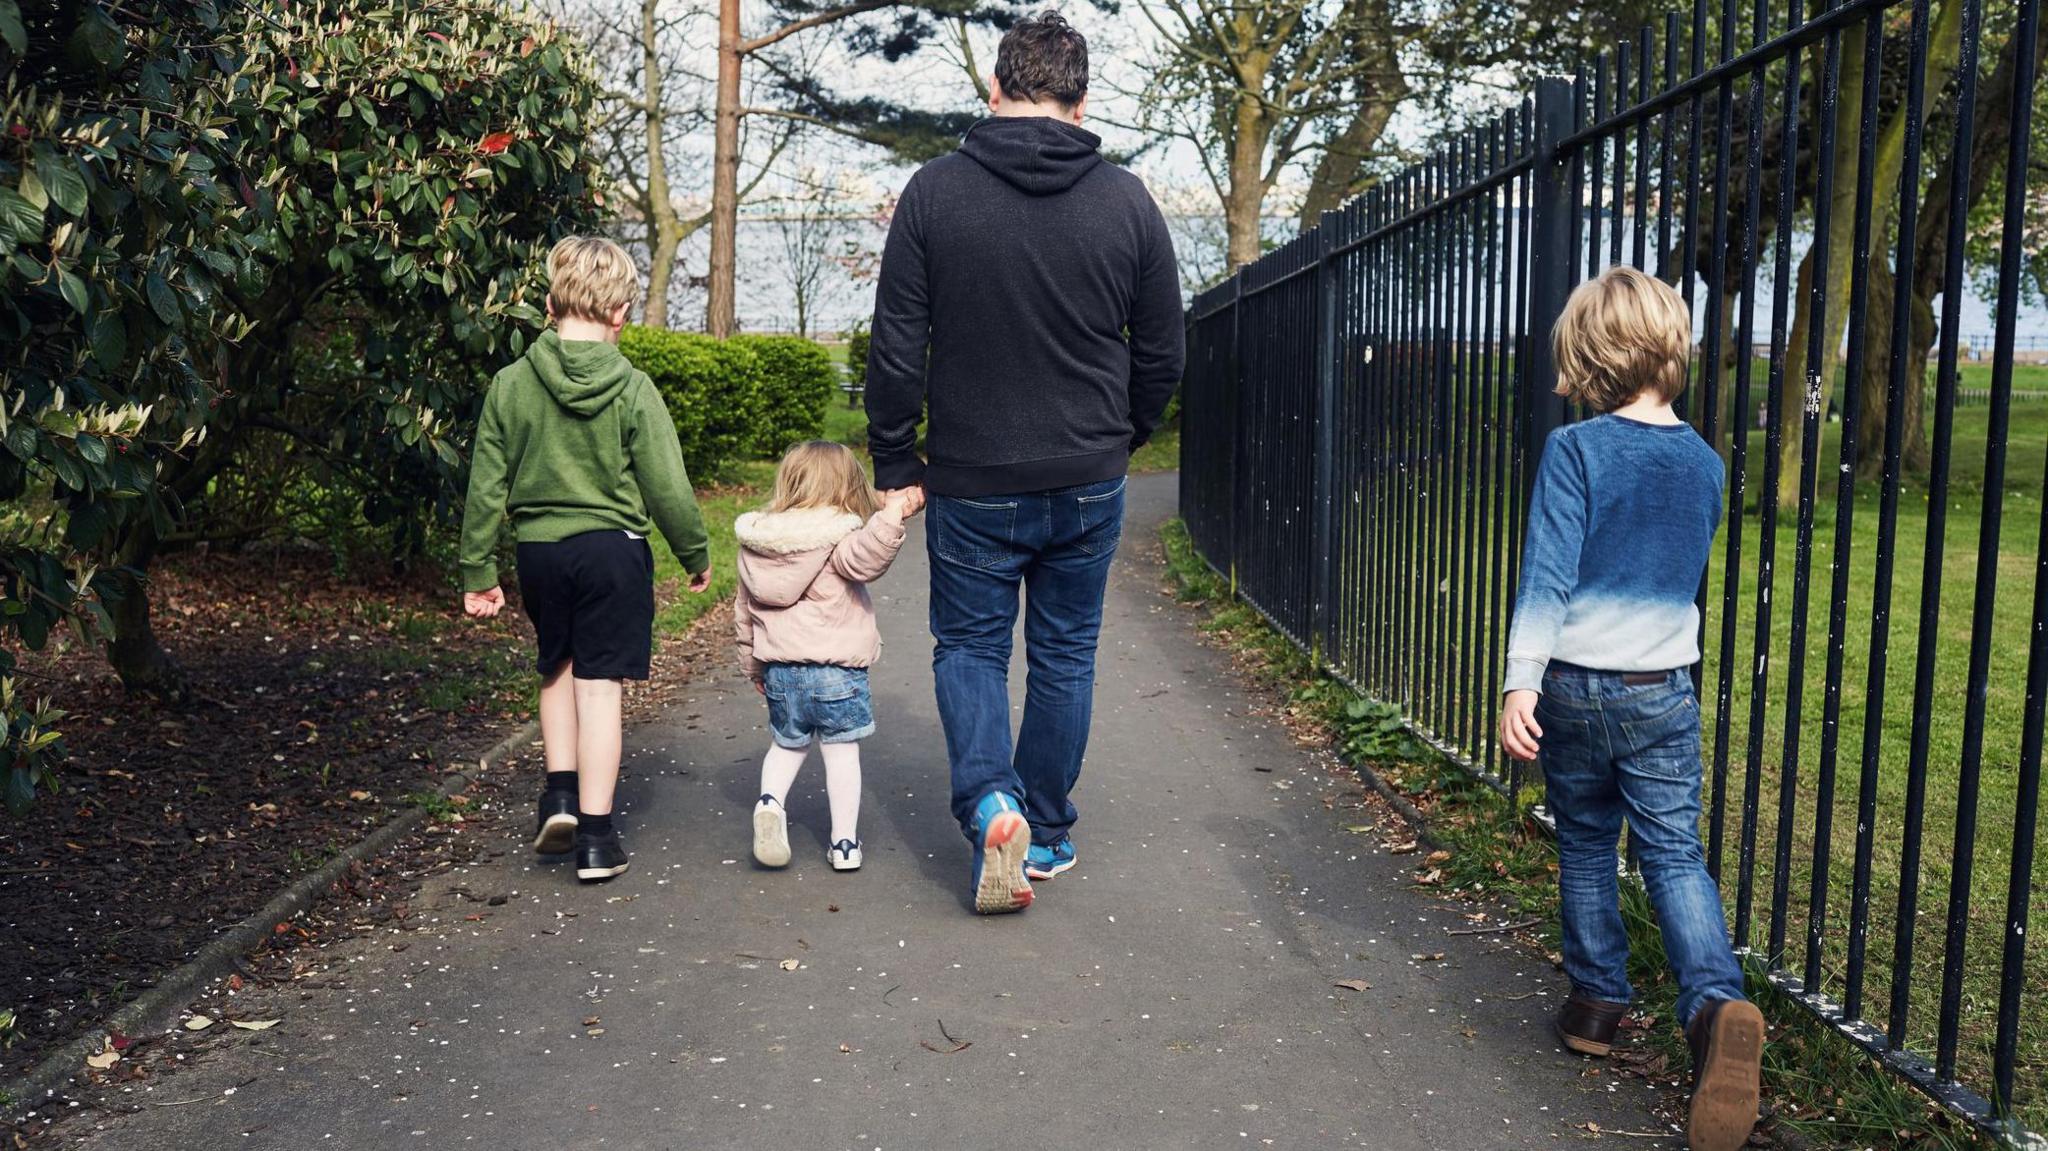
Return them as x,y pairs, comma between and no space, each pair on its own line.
591,600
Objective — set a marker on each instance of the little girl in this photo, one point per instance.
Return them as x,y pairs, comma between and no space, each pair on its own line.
806,630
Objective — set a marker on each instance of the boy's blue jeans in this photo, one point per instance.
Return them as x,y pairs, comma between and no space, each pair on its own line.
1057,546
1618,745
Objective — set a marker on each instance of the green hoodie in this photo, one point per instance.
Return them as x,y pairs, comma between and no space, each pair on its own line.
574,439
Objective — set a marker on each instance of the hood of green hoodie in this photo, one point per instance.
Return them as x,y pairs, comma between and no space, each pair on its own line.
584,376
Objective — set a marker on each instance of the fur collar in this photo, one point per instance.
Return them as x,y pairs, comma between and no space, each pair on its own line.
792,532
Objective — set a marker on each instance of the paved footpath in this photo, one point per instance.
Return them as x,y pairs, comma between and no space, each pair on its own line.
1175,990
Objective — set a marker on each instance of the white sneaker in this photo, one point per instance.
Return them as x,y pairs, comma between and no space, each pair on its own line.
845,855
771,833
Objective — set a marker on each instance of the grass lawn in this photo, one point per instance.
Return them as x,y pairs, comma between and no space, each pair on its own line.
1991,838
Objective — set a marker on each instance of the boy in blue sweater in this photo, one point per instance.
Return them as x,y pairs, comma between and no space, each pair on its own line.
1620,521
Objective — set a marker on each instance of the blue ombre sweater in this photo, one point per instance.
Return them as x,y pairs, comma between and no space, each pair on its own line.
1620,524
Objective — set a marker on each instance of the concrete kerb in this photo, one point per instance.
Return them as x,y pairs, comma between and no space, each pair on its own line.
154,1009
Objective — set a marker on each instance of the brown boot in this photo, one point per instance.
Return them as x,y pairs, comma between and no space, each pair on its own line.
1587,1025
1727,1040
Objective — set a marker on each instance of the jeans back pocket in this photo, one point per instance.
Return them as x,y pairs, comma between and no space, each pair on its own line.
974,533
1102,519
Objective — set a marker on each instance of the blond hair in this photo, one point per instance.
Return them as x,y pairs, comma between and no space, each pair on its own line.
822,474
1621,334
590,278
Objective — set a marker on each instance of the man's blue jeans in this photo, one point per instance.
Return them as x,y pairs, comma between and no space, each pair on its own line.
1057,546
1618,745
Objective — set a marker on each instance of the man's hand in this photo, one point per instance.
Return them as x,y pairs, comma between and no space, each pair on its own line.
905,502
761,685
483,604
701,582
1519,731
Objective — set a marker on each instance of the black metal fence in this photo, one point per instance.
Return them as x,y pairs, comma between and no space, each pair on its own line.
1364,406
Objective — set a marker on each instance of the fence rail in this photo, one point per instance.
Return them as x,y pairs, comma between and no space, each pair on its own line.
1364,406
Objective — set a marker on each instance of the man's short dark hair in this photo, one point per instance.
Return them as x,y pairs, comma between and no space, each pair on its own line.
1043,58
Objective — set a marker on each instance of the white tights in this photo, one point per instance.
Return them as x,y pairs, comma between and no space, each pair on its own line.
842,781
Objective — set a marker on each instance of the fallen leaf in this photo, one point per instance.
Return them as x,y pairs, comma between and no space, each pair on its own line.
234,983
591,1021
789,965
198,1023
103,1060
254,1024
1427,957
359,796
1353,985
1409,847
832,907
1437,857
845,1050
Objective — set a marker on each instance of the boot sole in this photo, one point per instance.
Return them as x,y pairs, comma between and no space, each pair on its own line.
1582,1046
844,865
1004,845
771,837
557,836
599,874
1724,1106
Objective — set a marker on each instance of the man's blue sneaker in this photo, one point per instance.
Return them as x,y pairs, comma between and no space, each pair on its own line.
1002,838
1045,861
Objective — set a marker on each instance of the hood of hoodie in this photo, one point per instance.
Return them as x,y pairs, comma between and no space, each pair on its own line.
1037,155
781,553
584,376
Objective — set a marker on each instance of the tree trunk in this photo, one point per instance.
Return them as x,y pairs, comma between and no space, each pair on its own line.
1876,417
664,231
720,310
1245,199
1944,45
1337,170
133,651
1988,144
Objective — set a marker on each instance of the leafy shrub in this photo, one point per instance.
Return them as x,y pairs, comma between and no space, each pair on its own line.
799,380
714,389
745,398
857,356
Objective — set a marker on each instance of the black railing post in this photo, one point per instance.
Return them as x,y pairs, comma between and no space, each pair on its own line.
1237,421
1551,261
1321,548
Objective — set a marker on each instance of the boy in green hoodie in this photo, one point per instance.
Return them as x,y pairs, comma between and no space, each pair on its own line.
576,447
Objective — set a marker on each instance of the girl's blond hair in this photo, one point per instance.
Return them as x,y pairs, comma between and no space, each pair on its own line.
822,474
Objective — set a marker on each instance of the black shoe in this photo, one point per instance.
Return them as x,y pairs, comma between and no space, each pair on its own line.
555,832
599,857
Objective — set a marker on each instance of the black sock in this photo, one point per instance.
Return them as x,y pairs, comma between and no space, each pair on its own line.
562,781
595,825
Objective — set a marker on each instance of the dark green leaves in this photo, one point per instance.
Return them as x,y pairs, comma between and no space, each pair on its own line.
11,31
162,300
62,180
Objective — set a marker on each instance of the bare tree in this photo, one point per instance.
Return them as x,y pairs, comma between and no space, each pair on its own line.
654,108
1257,86
809,229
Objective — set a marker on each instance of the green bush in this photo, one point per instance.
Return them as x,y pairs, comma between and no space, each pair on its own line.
745,398
857,356
715,391
799,378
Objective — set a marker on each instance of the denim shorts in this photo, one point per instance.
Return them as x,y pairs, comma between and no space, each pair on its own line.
808,701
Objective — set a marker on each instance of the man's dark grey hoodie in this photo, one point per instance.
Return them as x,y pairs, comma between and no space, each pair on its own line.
1040,281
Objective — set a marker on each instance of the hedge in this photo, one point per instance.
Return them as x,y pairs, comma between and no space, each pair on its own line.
800,379
748,397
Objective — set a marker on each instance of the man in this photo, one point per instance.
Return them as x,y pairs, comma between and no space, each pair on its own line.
1029,295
